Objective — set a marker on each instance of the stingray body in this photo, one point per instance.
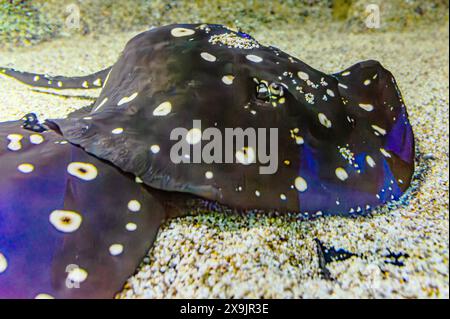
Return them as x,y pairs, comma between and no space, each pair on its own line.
71,226
344,145
344,141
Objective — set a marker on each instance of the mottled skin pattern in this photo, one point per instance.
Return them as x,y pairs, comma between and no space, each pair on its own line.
38,255
345,145
158,67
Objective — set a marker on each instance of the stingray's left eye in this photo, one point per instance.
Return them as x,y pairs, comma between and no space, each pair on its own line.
276,89
262,92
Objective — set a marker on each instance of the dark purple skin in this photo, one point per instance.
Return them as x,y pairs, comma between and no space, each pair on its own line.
39,255
161,67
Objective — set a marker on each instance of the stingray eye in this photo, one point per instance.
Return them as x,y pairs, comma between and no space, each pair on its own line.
262,92
276,89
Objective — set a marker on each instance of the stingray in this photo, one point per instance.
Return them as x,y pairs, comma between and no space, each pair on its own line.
343,141
71,225
345,144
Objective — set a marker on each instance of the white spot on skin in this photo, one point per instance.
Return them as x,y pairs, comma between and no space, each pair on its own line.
116,249
36,78
194,136
209,175
117,130
330,92
341,173
324,120
346,73
366,107
257,193
60,84
138,180
25,168
44,296
208,57
370,161
366,82
228,79
155,149
246,156
36,139
98,82
85,84
181,32
254,58
77,275
343,86
3,263
127,99
65,221
379,129
282,197
302,75
131,226
300,184
134,206
384,152
163,109
14,144
101,104
84,171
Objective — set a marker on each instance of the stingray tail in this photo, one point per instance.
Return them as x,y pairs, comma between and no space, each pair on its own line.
91,81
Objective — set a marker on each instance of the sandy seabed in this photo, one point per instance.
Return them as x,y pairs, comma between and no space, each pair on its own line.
214,255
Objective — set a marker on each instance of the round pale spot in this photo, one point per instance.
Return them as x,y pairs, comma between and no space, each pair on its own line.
209,175
341,173
134,205
302,75
194,136
246,156
181,32
60,84
3,263
379,129
127,99
84,171
85,84
131,226
117,130
15,137
257,193
370,161
330,92
366,107
116,249
14,146
384,152
163,109
25,168
65,221
254,58
155,149
228,79
77,275
208,57
324,120
44,296
36,139
366,82
282,197
300,184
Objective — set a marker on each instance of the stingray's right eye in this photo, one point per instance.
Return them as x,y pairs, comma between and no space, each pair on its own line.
262,92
